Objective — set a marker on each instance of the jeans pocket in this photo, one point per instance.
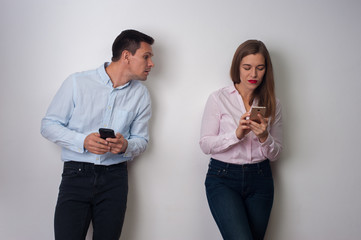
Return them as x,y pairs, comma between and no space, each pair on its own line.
70,172
214,171
118,171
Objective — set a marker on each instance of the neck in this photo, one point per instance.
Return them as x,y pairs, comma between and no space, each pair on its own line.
117,74
245,93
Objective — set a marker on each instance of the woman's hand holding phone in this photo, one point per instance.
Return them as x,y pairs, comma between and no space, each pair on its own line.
243,127
260,128
253,121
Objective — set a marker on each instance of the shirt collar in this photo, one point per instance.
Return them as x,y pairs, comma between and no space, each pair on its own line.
232,89
105,77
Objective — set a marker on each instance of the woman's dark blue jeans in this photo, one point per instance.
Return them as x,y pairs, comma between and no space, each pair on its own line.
94,193
240,198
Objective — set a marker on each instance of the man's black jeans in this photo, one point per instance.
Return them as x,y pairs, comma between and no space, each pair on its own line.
94,193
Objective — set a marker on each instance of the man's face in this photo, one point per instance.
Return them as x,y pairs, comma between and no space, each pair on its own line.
141,62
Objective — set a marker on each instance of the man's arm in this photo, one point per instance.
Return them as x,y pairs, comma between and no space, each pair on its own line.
139,135
54,124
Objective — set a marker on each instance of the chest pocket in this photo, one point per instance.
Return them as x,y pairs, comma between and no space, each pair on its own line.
122,120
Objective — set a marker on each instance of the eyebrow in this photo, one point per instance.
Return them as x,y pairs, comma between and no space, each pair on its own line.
148,53
246,64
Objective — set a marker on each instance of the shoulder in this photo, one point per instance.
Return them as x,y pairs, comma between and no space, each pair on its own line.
138,88
84,76
224,91
137,85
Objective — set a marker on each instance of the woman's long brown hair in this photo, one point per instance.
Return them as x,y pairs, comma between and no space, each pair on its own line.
265,92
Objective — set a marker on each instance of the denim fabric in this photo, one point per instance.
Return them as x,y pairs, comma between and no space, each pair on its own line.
240,198
94,193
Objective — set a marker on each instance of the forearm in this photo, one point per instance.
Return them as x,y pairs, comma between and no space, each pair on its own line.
271,148
219,143
61,135
135,147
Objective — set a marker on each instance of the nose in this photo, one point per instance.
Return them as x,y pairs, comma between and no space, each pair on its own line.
150,63
254,72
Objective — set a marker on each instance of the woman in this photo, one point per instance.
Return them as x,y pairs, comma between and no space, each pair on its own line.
239,183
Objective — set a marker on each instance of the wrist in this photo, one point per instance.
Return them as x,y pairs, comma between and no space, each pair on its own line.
263,138
125,146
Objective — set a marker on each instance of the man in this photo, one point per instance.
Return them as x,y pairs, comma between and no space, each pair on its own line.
94,184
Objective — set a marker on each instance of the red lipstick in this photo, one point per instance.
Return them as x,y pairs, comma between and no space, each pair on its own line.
252,81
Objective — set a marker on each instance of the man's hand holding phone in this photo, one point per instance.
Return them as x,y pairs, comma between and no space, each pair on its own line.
95,144
105,141
118,144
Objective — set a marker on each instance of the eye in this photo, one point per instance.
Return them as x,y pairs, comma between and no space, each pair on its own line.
247,68
261,68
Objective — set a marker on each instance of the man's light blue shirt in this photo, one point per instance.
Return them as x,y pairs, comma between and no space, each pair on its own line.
87,101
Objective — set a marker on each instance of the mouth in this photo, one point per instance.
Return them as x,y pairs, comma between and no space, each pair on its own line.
252,81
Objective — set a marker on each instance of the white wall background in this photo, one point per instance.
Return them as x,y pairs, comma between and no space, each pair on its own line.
315,48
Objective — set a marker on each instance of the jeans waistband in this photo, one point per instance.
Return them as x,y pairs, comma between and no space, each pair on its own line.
86,165
221,164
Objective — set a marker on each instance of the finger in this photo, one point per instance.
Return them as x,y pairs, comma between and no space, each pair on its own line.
100,152
118,136
245,127
245,116
263,119
253,124
115,150
245,121
100,146
96,139
97,150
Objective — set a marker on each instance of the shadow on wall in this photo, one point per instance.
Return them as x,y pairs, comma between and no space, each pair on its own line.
282,75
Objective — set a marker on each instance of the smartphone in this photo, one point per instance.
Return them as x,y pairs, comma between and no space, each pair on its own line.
106,133
255,111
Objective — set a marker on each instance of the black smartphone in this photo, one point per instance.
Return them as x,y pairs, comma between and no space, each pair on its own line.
106,133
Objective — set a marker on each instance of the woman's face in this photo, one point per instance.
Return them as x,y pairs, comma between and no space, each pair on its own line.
252,70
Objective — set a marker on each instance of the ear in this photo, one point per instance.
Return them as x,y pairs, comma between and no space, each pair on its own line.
126,55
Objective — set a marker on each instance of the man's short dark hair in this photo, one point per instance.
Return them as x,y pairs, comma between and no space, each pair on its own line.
129,40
